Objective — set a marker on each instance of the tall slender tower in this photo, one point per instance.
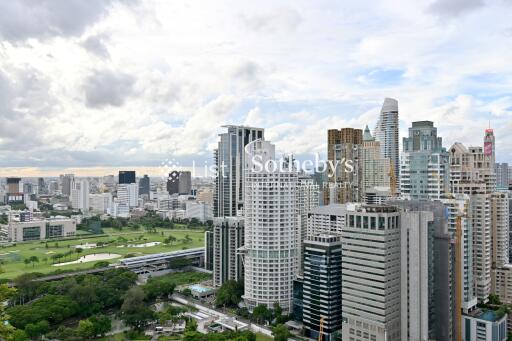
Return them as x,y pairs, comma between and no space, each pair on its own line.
229,157
386,132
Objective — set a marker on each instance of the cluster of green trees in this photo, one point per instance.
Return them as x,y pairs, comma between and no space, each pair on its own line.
39,308
36,307
156,288
229,294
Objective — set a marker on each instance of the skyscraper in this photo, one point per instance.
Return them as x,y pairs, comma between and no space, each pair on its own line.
128,194
13,185
424,166
427,303
173,183
80,194
208,250
126,177
41,186
344,147
307,198
185,182
179,182
490,146
322,286
386,132
370,275
458,207
144,185
230,160
271,233
66,181
228,237
502,176
377,169
472,173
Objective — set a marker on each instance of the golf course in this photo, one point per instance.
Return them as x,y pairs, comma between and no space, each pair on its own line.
85,250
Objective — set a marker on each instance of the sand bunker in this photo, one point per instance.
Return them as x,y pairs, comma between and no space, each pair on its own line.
142,245
86,246
91,258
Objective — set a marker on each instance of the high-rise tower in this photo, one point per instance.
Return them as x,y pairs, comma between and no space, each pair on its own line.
386,132
344,146
229,157
489,146
424,166
271,247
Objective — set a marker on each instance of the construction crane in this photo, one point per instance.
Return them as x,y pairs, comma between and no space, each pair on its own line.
321,333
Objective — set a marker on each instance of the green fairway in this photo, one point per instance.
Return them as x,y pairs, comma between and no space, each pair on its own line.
123,243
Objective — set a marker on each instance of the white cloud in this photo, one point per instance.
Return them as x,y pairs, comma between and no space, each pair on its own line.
140,82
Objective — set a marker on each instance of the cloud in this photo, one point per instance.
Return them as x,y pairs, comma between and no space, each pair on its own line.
107,87
452,8
96,44
140,84
41,19
283,19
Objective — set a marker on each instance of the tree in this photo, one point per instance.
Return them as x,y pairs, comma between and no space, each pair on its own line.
191,325
26,261
133,311
278,311
229,294
78,251
157,288
280,333
170,240
33,260
102,324
261,313
19,335
6,330
34,330
86,329
26,288
187,239
52,308
494,299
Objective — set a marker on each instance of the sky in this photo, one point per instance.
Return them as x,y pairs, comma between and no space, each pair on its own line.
100,85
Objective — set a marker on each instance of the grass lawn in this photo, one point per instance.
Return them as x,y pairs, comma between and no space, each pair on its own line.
12,257
263,337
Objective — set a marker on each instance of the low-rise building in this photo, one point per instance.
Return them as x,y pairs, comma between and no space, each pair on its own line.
21,231
486,325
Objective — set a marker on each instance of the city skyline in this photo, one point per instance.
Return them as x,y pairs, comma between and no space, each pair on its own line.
106,95
255,171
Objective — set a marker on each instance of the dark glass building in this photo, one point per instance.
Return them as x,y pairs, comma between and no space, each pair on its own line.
144,185
126,177
322,287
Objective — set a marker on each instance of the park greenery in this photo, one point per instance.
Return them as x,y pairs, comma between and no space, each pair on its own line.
229,294
38,308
